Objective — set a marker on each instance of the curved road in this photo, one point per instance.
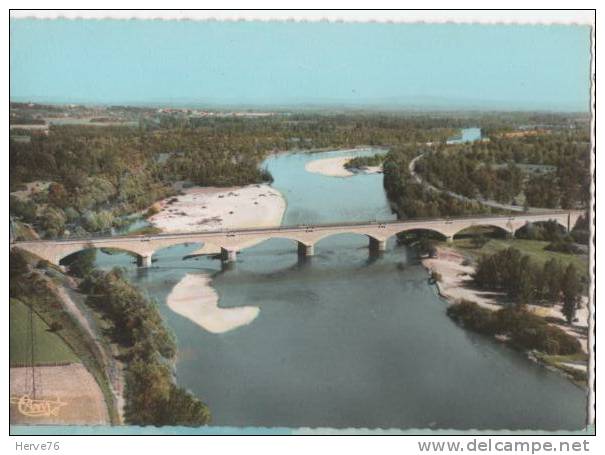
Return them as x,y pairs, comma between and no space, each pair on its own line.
487,202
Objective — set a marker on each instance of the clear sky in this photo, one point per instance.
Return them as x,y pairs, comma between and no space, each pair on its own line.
399,65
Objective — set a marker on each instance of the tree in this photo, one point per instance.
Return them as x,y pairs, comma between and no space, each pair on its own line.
571,292
81,263
53,222
57,195
552,280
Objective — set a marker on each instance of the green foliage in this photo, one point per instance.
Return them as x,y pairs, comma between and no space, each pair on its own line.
564,245
510,271
472,316
32,287
52,221
549,231
81,263
523,329
135,324
411,199
364,161
102,174
571,289
153,399
23,209
503,167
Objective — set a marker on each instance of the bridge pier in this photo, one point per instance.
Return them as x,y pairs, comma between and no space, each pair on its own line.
449,239
228,255
377,246
306,249
144,261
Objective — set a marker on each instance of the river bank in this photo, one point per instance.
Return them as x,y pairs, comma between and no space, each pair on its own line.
455,283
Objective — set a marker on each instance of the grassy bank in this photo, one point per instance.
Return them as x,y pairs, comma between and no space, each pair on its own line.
31,285
533,248
49,346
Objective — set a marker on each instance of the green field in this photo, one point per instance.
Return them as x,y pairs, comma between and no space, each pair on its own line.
50,348
533,248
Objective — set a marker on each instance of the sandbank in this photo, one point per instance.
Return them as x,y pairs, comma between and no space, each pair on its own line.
194,298
210,209
335,167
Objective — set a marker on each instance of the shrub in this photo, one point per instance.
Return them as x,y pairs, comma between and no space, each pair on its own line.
472,316
563,246
525,330
153,210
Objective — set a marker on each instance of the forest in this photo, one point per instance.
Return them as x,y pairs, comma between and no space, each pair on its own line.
526,282
147,349
547,170
96,177
411,199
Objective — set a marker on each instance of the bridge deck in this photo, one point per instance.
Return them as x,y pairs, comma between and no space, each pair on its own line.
313,227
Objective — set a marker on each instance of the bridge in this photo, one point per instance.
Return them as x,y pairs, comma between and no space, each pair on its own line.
228,243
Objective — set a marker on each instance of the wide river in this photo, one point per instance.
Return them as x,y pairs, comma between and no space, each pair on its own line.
346,340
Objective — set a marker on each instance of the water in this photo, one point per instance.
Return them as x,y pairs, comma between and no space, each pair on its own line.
346,340
316,198
466,135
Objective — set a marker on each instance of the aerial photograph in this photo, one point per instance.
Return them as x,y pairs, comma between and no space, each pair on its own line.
288,227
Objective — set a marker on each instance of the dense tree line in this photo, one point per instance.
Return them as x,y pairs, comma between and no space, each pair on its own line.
526,282
550,170
364,161
554,233
523,329
99,175
411,199
152,397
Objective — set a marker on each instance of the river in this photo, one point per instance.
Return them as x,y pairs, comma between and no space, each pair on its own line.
345,340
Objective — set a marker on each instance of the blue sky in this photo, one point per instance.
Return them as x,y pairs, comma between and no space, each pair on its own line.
255,63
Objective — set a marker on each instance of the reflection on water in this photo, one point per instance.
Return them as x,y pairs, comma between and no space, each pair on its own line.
345,339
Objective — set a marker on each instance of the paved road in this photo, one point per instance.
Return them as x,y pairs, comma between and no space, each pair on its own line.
460,197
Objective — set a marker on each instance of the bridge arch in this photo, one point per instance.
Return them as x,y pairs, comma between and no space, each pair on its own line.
63,252
161,250
540,225
495,227
65,259
440,233
369,235
376,243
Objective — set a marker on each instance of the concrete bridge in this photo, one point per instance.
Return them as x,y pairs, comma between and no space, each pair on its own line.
228,243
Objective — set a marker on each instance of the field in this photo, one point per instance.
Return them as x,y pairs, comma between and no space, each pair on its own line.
50,348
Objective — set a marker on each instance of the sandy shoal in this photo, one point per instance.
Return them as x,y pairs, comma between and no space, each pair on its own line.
82,401
335,167
209,209
456,279
194,298
456,284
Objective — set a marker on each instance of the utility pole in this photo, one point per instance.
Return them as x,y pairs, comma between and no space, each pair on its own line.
32,341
